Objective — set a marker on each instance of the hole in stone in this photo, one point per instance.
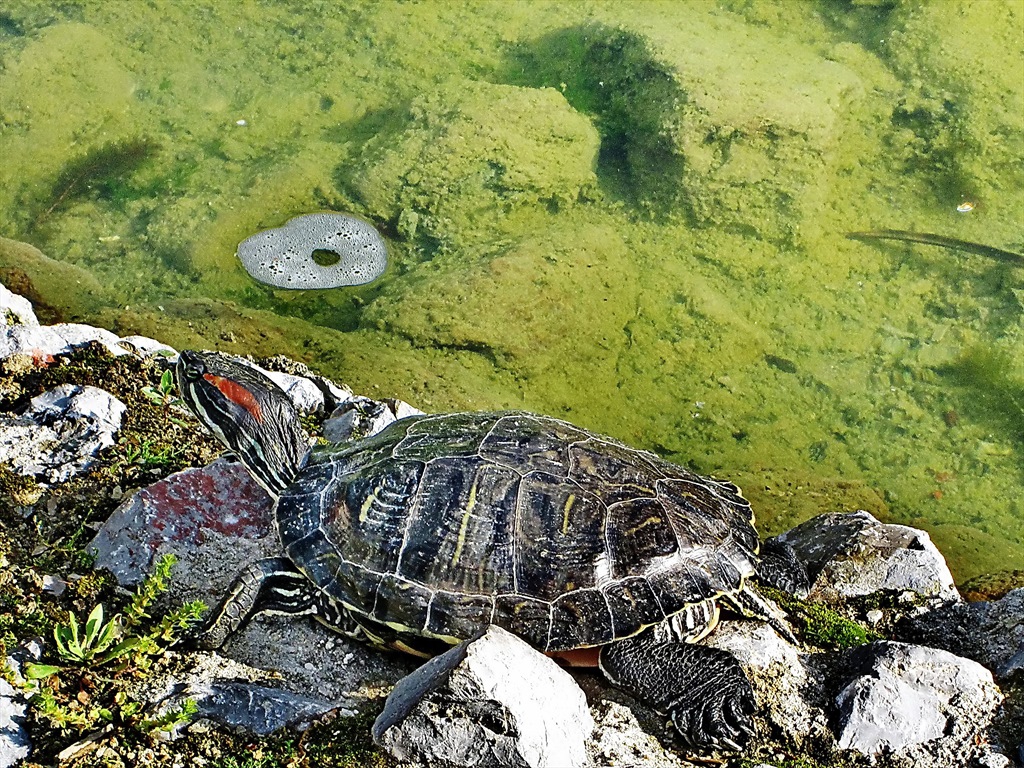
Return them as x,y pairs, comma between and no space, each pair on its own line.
325,258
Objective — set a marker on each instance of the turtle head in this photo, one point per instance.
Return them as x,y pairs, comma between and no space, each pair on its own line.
248,413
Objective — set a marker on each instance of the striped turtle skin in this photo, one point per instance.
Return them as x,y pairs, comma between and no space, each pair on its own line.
440,525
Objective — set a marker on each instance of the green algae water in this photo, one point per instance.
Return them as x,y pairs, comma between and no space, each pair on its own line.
630,215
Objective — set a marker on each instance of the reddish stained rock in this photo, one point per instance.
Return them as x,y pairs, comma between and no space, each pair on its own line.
181,514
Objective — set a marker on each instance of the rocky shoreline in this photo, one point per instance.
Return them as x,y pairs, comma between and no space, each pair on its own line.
895,667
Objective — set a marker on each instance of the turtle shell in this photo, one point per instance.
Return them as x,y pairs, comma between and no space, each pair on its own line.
442,524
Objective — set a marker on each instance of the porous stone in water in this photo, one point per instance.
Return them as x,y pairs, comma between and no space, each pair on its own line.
283,257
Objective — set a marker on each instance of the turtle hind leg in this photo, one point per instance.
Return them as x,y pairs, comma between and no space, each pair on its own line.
270,585
703,690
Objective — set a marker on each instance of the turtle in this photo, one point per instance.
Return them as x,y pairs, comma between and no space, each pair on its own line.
423,535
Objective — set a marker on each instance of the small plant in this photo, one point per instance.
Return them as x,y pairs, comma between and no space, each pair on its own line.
71,696
100,642
164,396
144,453
97,643
827,629
168,721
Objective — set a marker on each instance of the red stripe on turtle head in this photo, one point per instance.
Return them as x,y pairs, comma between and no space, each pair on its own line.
237,394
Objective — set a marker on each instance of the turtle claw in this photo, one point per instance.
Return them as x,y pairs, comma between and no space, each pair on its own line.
721,722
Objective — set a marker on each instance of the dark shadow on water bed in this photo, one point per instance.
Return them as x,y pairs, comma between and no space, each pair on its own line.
613,76
988,391
103,170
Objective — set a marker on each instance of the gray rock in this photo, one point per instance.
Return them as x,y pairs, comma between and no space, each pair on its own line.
42,342
15,744
61,432
789,696
15,309
360,417
989,632
183,514
256,708
907,696
492,701
1013,665
852,555
231,693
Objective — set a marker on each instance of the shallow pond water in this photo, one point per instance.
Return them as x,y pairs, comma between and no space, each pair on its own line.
631,215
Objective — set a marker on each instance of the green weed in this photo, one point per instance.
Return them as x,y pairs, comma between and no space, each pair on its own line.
82,647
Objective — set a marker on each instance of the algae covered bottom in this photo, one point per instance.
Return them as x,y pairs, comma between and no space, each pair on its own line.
629,215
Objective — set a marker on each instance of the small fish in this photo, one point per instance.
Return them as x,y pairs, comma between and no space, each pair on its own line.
942,241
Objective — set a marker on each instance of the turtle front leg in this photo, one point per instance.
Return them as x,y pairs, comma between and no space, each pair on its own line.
271,585
703,690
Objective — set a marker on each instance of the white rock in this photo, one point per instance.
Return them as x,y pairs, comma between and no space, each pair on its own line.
15,742
14,739
26,447
493,701
909,695
852,555
620,740
360,417
306,396
994,760
61,433
77,402
15,309
144,346
42,341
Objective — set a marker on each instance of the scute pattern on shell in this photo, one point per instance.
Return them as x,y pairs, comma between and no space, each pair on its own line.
441,524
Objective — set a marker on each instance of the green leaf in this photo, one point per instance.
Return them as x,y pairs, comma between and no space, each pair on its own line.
153,396
66,639
111,632
39,671
93,625
125,646
167,381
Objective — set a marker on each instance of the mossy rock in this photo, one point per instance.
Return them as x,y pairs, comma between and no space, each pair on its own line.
59,292
962,125
992,586
570,293
742,147
473,150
